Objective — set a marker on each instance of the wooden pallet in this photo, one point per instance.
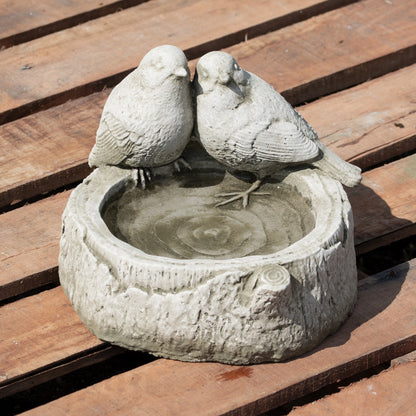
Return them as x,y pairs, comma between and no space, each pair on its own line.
352,63
392,392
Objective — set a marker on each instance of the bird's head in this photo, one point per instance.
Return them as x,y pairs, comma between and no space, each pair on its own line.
220,68
162,63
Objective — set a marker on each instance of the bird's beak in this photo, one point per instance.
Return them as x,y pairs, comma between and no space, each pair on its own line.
180,72
233,86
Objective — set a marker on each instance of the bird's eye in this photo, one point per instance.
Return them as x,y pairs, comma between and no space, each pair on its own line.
159,65
236,67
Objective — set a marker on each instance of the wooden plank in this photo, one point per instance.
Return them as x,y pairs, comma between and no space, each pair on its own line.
390,393
24,20
83,59
48,150
381,327
362,126
384,204
411,357
384,207
29,241
340,49
40,332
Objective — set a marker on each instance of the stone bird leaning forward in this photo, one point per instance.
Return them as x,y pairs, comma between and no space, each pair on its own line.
247,126
148,117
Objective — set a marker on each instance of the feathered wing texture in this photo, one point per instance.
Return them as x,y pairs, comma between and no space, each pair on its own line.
283,142
337,168
113,143
279,142
241,141
329,162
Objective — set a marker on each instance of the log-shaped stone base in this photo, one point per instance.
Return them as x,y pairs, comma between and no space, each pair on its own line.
164,271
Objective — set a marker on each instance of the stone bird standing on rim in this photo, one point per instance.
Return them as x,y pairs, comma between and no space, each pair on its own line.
148,117
247,126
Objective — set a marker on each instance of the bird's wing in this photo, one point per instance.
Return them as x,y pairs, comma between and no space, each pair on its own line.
283,142
242,140
114,143
124,135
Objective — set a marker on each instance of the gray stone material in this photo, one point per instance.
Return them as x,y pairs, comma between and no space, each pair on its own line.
209,294
169,270
248,126
148,117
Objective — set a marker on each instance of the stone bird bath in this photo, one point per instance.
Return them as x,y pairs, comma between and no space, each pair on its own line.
163,270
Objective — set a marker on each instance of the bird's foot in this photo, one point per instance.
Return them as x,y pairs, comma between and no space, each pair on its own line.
181,163
242,195
144,175
238,195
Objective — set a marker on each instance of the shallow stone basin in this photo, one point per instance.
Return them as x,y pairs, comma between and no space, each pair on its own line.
177,218
165,271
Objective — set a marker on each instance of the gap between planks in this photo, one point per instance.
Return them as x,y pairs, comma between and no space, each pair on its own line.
383,206
360,127
20,22
51,78
52,81
390,393
381,328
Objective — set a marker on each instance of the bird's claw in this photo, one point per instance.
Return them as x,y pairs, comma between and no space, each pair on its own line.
145,175
181,161
238,195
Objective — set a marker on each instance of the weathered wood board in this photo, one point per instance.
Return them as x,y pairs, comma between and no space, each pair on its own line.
354,60
384,206
38,331
364,129
29,241
77,61
49,149
24,20
381,327
391,393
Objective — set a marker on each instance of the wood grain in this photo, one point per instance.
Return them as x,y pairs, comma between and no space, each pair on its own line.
362,126
391,393
29,241
39,332
380,328
384,207
368,124
24,20
384,204
49,149
340,49
80,60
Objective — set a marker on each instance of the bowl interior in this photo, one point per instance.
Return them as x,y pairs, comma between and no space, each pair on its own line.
176,217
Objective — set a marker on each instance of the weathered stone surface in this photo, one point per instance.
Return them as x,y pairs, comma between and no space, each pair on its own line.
248,126
221,296
148,117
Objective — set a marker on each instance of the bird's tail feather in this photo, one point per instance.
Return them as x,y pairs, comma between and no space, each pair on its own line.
349,175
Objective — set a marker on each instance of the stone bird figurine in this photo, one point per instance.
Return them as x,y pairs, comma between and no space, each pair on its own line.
247,126
148,117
